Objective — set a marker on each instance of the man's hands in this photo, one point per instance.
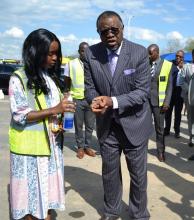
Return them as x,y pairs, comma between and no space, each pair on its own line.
101,103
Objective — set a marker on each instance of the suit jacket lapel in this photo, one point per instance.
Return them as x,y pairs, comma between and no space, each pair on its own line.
106,67
121,63
158,69
102,57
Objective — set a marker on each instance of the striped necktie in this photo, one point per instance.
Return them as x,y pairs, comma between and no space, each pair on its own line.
152,70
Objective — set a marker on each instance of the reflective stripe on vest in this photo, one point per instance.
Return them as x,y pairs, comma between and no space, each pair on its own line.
77,78
32,138
163,80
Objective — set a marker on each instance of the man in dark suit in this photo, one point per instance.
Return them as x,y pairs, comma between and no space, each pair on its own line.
117,85
161,91
176,102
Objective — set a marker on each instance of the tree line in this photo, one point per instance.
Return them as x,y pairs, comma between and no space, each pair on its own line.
175,44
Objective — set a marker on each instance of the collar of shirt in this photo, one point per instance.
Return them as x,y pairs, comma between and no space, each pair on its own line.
179,68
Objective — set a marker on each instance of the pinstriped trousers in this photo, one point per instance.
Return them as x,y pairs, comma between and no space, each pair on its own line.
136,158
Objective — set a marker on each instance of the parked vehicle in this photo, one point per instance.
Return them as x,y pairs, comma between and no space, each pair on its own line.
5,72
10,61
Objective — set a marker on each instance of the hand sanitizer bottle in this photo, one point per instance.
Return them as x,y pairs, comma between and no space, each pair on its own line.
68,117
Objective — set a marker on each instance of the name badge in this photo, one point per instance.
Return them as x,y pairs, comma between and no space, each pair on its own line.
162,78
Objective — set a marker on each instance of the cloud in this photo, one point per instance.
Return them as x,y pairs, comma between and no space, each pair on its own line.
145,34
91,41
174,35
70,44
171,19
11,43
176,7
153,36
14,32
68,38
10,50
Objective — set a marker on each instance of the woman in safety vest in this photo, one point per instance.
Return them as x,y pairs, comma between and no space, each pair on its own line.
35,135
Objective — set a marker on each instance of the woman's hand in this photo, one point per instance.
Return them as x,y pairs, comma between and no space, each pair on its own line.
64,106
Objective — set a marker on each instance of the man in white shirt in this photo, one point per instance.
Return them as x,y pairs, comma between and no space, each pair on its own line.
176,99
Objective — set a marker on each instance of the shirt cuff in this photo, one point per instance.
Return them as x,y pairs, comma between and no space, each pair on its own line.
115,103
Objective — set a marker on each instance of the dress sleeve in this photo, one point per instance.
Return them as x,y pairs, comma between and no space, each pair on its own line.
18,101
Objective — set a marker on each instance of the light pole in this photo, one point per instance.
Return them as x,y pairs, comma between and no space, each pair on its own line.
129,25
129,18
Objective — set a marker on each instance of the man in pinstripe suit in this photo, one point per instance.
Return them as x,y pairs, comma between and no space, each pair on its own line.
119,97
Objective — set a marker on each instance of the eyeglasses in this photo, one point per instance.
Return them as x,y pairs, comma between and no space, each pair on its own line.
113,30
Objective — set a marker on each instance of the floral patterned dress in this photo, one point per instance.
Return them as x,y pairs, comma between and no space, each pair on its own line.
36,182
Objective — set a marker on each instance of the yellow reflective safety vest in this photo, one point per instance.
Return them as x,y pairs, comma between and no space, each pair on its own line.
163,80
32,138
77,78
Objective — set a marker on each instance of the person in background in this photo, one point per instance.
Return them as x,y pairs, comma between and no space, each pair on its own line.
186,74
35,135
161,90
117,86
83,114
176,102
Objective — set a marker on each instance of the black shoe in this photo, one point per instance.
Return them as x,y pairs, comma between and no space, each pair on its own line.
191,157
177,135
104,217
161,157
190,144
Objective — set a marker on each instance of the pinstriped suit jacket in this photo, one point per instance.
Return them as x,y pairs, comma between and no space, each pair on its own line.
130,85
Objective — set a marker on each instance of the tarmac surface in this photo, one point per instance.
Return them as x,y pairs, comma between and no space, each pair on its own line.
170,184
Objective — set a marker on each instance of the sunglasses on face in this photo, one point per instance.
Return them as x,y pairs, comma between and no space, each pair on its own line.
106,31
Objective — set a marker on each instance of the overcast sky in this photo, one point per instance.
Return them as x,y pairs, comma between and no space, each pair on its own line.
146,21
